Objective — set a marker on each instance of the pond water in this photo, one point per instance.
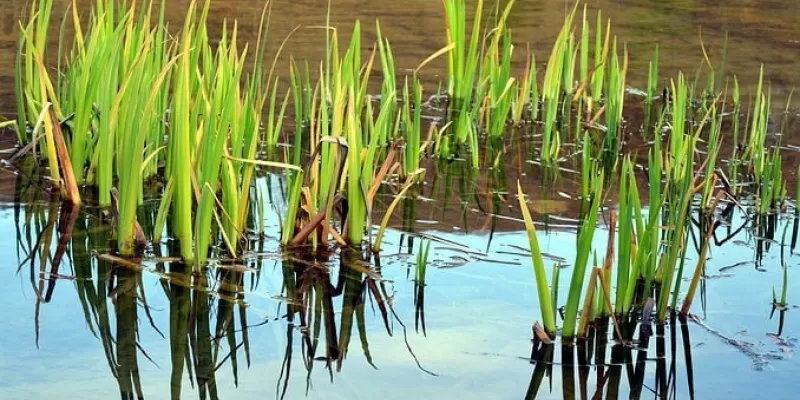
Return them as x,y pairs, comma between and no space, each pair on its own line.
759,32
346,326
86,329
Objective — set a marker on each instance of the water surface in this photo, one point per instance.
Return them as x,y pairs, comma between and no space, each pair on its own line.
759,32
284,325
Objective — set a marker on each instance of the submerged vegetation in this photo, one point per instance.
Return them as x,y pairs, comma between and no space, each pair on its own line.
197,115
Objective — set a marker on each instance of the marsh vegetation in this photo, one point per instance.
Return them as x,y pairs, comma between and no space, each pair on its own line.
186,161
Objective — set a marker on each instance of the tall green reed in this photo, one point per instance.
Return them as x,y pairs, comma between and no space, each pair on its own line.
615,103
462,67
497,81
389,84
651,94
546,301
527,94
560,61
584,248
133,108
412,121
758,124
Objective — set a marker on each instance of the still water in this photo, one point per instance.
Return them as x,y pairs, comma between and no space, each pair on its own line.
284,325
759,32
280,325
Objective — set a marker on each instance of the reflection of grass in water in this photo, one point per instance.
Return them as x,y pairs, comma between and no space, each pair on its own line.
311,311
624,369
194,348
220,351
125,308
419,285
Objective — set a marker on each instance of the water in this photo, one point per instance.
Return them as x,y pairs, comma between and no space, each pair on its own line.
760,32
97,330
88,330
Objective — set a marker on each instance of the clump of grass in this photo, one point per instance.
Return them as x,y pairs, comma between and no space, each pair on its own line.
714,145
116,45
116,70
32,84
584,248
497,78
652,91
343,168
526,96
680,187
735,160
759,123
412,121
770,184
547,299
37,100
600,57
182,125
347,111
629,223
122,72
644,239
389,84
133,108
301,96
560,61
462,67
612,145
